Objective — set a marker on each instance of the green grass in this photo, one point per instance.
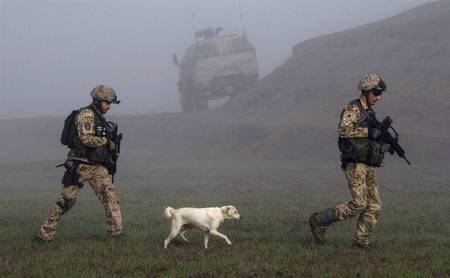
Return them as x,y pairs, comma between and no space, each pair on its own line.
272,240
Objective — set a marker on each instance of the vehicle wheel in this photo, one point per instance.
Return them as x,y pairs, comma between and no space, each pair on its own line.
201,103
187,105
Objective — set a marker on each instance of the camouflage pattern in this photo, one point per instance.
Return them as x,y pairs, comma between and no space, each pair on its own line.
366,202
86,129
350,125
104,189
371,81
48,229
104,93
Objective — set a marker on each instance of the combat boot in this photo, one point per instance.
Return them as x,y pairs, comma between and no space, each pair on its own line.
361,246
319,222
118,237
40,240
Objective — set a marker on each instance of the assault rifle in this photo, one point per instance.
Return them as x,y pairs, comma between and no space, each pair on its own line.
113,136
386,136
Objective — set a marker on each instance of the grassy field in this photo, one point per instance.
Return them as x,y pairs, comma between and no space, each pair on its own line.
275,199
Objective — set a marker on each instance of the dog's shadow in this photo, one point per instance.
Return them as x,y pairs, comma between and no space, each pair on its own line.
182,249
178,242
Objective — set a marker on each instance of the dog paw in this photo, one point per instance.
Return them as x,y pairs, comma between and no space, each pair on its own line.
229,242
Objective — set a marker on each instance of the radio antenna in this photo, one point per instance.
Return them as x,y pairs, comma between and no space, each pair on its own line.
193,19
242,20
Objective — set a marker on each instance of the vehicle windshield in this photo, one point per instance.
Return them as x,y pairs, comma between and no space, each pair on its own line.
204,51
237,45
218,48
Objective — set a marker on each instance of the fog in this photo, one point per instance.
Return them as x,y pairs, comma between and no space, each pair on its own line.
54,52
271,152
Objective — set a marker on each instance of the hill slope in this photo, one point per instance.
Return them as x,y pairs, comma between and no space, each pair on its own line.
410,50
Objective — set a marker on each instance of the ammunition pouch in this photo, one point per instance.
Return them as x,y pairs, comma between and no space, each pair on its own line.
71,176
363,150
100,155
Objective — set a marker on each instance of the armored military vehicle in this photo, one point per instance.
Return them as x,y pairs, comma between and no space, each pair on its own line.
215,66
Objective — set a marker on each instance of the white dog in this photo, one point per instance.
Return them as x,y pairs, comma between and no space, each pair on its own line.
205,219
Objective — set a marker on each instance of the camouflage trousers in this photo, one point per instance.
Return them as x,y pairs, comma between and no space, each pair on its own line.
104,189
366,202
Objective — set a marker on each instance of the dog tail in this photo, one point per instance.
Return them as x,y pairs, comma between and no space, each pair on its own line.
168,212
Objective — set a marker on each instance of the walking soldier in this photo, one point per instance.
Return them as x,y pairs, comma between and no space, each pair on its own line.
93,153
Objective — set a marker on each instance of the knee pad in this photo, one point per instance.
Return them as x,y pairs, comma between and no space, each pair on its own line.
66,204
326,217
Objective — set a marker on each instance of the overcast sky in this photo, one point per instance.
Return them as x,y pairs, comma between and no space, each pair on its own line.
52,53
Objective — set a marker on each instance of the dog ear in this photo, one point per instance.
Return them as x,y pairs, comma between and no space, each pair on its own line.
225,210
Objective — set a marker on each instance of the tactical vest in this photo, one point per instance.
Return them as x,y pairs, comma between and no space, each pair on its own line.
100,154
363,150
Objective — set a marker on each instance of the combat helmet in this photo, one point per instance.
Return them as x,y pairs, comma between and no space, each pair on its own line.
372,82
104,93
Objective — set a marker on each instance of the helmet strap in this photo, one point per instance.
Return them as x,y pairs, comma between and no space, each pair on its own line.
366,97
367,101
98,105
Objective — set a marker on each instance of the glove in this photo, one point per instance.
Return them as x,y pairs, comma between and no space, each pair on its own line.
374,133
386,148
111,145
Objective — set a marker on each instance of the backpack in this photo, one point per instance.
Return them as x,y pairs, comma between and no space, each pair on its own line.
69,131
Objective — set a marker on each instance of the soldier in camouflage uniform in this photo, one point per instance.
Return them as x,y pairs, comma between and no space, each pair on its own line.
360,154
86,162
